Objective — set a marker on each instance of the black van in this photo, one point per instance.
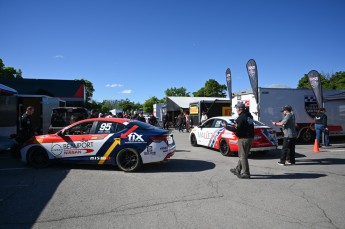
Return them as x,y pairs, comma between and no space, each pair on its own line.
64,116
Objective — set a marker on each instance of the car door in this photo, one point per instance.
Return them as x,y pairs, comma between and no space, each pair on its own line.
203,135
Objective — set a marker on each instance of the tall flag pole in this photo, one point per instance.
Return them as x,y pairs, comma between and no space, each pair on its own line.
228,83
315,83
252,70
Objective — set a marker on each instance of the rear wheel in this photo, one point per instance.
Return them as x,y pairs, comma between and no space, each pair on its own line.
38,158
193,140
128,160
224,148
306,136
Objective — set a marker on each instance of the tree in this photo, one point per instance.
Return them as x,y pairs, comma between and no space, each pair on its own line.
337,81
177,92
127,105
211,89
9,72
148,104
88,92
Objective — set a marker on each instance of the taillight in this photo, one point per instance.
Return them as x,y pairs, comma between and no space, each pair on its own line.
158,139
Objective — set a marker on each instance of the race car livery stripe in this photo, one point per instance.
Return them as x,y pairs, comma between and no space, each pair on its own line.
117,141
125,135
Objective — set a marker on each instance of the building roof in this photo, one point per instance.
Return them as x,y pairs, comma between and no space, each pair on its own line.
4,90
69,90
176,103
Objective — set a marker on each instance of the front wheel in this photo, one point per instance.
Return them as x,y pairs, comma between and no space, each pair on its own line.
193,140
38,158
128,160
224,148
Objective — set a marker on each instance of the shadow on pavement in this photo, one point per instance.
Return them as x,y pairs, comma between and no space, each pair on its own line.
321,161
25,192
273,154
289,176
178,165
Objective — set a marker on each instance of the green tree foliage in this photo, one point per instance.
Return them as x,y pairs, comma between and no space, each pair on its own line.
148,104
127,105
9,72
211,89
336,81
182,92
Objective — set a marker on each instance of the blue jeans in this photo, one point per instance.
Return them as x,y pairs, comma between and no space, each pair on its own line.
319,130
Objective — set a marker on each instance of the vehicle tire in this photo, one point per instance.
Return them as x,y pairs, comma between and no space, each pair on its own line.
224,148
38,158
193,140
307,136
128,160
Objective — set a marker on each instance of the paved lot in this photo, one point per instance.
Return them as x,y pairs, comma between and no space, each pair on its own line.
193,190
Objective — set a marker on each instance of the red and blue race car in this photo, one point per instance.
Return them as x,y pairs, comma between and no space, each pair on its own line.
117,141
212,134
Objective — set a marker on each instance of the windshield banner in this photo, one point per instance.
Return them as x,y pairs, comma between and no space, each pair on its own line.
315,83
252,70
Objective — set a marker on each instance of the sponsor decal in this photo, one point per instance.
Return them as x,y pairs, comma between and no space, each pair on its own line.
72,148
149,151
100,158
57,150
135,138
310,105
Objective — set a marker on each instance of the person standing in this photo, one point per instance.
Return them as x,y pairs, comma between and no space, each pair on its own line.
244,130
180,118
289,141
166,121
26,130
203,117
141,117
187,121
321,127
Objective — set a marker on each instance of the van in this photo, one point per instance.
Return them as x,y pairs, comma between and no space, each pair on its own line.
64,116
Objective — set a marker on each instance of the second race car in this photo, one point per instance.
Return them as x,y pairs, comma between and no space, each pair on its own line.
212,134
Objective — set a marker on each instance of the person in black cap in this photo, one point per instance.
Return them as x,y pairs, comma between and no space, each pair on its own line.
321,126
26,129
289,129
244,130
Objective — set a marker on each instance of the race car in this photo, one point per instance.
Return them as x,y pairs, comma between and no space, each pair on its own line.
212,134
117,141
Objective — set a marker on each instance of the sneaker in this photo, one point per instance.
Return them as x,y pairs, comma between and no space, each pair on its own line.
288,163
243,176
234,171
281,163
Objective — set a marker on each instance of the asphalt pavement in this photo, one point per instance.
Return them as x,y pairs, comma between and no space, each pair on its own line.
193,190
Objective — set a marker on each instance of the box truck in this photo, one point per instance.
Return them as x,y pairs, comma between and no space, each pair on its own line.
304,105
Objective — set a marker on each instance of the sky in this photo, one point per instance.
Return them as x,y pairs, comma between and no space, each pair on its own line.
137,49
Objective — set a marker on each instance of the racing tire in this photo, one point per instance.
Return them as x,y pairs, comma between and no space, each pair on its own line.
306,136
128,160
224,148
38,158
193,140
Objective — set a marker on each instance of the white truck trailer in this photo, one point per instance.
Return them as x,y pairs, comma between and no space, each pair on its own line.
304,105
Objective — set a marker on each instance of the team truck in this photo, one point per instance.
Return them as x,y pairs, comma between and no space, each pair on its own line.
304,105
217,107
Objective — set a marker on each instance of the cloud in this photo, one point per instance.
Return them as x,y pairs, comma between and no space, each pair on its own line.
126,92
58,57
278,86
114,85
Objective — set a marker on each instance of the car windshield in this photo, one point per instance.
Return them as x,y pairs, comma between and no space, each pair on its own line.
256,123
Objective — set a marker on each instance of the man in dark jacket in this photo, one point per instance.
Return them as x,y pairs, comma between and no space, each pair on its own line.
26,130
244,130
321,126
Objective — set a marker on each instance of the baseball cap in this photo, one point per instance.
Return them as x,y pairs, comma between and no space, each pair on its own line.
286,108
240,106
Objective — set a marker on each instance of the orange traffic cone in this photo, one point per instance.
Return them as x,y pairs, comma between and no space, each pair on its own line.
316,146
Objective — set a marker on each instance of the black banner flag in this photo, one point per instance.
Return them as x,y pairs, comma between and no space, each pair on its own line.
228,83
252,70
315,83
